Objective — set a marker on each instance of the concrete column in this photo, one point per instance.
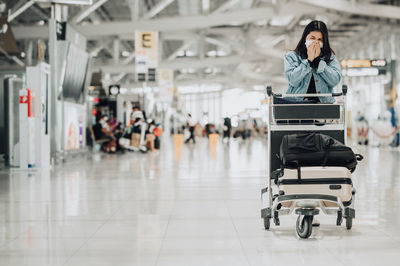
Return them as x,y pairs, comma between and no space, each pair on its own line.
116,49
29,53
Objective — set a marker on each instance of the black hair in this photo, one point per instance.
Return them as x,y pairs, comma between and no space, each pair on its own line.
326,50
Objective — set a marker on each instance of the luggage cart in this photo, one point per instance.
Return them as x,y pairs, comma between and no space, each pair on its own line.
284,119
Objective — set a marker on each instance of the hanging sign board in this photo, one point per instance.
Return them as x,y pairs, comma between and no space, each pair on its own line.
166,85
360,63
355,63
146,49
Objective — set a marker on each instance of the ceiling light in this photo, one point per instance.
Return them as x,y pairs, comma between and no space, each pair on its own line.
212,53
126,53
281,21
263,22
208,70
236,23
190,53
191,70
222,53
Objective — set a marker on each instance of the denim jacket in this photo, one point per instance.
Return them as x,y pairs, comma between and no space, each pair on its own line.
298,72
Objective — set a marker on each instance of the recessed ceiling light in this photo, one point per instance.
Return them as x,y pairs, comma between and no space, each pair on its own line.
212,53
126,53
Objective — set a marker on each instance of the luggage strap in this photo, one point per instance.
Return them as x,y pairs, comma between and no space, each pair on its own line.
325,160
298,170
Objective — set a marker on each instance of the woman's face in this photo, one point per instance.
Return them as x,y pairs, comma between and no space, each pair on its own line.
315,35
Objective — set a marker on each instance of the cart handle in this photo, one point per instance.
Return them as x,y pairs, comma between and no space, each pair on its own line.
335,94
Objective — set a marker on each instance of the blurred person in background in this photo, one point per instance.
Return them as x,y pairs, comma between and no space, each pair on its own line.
137,122
190,125
150,137
227,128
157,133
102,131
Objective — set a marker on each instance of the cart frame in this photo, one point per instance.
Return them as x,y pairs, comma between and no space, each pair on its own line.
310,204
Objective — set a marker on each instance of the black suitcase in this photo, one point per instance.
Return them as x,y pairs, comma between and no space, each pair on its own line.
157,143
314,149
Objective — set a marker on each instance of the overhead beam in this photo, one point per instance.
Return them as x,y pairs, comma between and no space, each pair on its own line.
170,25
226,6
87,11
218,43
16,6
42,32
125,62
129,59
185,46
40,12
276,80
363,9
134,7
186,63
13,57
192,22
157,9
99,47
20,10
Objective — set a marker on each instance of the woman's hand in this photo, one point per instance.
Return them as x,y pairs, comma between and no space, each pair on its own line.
317,49
311,52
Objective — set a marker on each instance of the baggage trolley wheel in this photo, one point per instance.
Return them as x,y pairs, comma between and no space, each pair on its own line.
349,223
304,226
267,223
339,220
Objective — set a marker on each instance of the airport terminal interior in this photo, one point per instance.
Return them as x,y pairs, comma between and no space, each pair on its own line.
199,132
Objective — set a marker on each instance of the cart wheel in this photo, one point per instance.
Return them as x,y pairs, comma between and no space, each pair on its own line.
267,223
349,223
304,226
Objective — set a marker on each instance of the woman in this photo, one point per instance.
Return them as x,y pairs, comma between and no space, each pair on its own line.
313,67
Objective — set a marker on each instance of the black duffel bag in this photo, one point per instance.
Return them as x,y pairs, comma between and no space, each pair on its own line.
315,149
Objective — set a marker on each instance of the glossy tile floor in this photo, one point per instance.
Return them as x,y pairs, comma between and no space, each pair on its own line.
189,206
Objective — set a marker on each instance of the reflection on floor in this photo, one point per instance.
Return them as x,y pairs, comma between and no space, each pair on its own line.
194,206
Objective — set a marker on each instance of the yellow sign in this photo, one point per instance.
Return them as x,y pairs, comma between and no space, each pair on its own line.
350,63
146,49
